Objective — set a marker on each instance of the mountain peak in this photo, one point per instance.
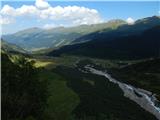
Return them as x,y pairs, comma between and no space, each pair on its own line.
149,19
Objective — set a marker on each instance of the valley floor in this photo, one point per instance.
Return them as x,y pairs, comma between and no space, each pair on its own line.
84,96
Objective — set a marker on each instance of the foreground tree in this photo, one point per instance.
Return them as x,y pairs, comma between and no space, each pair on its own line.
23,94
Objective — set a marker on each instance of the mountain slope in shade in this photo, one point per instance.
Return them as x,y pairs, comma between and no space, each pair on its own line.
8,47
124,30
140,45
38,39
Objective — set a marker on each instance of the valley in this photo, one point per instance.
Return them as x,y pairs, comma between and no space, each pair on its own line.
106,71
89,87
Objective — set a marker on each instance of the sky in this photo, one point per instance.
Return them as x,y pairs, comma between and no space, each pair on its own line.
16,15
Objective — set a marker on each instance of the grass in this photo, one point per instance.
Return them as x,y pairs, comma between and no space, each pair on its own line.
70,60
39,63
52,62
74,95
99,98
139,80
62,100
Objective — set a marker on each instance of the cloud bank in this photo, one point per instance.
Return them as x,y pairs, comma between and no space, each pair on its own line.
75,15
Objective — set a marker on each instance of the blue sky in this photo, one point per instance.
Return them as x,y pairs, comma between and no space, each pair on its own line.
88,12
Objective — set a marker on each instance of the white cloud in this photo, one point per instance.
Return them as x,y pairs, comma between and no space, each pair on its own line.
4,21
42,4
23,10
27,10
8,10
49,26
74,15
130,21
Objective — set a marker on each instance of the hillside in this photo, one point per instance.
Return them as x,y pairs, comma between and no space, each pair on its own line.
34,39
123,30
138,46
8,47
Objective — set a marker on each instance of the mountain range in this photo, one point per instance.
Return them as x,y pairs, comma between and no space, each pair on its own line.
138,41
112,40
34,39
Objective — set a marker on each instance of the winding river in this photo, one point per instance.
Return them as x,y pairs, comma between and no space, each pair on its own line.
142,97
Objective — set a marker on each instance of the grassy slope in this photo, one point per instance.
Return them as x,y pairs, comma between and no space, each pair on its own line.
141,45
62,99
8,47
38,39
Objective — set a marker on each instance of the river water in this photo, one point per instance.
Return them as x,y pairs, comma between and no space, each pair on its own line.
145,99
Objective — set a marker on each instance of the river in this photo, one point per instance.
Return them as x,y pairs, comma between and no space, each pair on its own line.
145,99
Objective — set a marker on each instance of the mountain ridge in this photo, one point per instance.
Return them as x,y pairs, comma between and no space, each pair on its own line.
9,47
34,38
139,46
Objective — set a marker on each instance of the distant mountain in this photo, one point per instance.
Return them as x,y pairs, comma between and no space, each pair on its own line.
123,30
8,47
38,39
140,45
